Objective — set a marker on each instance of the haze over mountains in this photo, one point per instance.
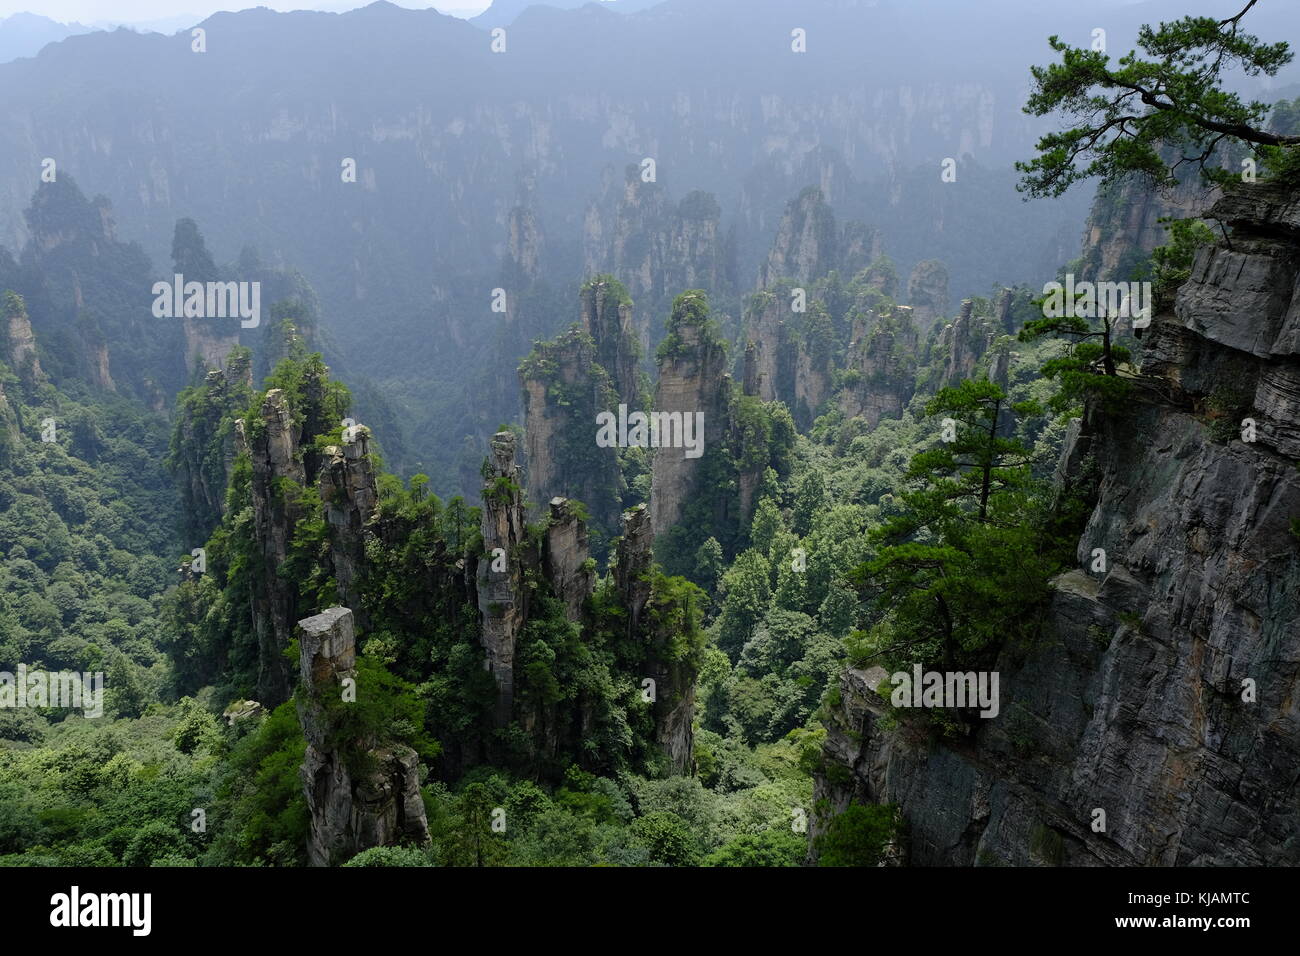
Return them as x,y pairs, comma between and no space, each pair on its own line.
24,34
639,434
472,163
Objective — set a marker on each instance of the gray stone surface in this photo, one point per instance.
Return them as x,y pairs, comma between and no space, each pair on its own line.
1132,702
351,810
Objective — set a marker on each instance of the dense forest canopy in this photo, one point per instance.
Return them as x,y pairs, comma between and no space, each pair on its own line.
549,650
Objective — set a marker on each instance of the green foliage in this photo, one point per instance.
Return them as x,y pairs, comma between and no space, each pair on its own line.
1225,408
201,439
809,500
746,588
1088,369
859,836
667,838
709,564
196,729
1172,263
769,848
154,841
1127,112
386,710
261,813
212,637
84,532
590,477
392,856
690,309
966,562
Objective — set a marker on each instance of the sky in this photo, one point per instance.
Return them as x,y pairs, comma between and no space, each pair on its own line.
136,11
98,12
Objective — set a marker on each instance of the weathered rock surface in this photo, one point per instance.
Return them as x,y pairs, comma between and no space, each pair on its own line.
780,363
20,341
927,293
774,353
355,804
673,675
1163,690
962,343
207,445
209,340
809,243
1124,223
501,596
655,248
805,243
524,252
693,257
693,377
565,558
9,429
349,496
635,556
564,390
273,449
607,317
883,354
1235,332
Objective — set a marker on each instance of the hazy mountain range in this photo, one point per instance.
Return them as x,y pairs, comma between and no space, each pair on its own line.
450,138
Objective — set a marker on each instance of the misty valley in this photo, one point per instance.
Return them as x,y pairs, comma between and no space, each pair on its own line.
694,434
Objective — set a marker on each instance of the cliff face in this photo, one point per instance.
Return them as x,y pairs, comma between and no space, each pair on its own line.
10,434
654,622
653,247
809,243
674,703
273,449
963,343
564,390
608,318
775,353
565,558
501,596
524,250
1163,690
1124,224
85,287
349,496
20,341
203,450
355,804
209,340
804,247
624,236
692,378
781,364
635,556
694,257
1236,327
883,356
812,386
927,293
100,373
